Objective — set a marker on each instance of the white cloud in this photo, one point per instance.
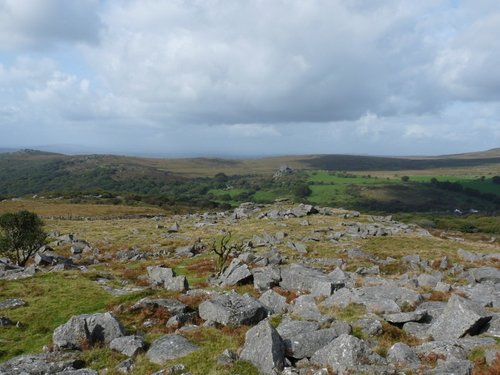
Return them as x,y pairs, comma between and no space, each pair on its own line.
320,76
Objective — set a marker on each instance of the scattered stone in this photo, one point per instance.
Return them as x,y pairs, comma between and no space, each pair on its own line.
227,358
290,327
12,303
5,322
369,326
403,356
401,318
345,353
169,347
171,305
232,309
264,349
174,228
298,247
237,273
125,366
274,302
306,344
46,363
128,345
467,256
264,278
305,308
87,329
460,317
165,277
485,274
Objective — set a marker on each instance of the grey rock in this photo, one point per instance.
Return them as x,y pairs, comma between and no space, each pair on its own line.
493,327
419,330
274,302
264,349
125,366
289,328
265,278
174,228
425,280
447,349
87,328
5,321
369,326
302,278
179,320
460,317
236,273
306,344
402,355
227,358
165,277
442,287
453,367
45,363
83,371
232,309
467,255
171,305
486,295
169,347
433,308
485,274
344,353
12,303
305,308
491,355
298,247
128,345
400,318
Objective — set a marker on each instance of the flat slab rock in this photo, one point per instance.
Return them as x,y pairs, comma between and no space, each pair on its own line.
169,347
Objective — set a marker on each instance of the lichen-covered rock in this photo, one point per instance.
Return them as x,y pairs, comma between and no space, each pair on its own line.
264,349
169,347
345,353
264,278
87,329
232,309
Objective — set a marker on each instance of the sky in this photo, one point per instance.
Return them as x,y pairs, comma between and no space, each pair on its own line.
250,77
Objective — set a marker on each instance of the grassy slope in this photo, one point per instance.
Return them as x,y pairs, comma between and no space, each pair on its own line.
53,298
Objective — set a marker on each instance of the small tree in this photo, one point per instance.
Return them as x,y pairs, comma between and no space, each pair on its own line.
405,178
222,248
21,235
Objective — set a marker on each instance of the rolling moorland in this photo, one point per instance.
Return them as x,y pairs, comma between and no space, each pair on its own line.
385,284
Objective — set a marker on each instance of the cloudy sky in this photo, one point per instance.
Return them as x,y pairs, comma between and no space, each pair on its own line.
250,77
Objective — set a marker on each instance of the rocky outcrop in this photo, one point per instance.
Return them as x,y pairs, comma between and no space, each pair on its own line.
86,330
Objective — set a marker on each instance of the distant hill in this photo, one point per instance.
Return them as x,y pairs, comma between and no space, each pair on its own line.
31,171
